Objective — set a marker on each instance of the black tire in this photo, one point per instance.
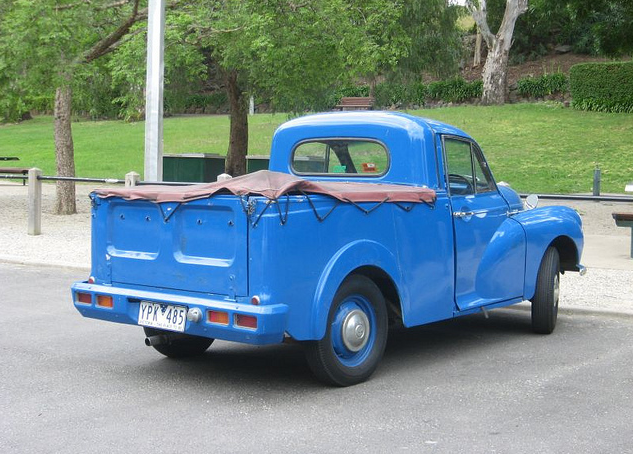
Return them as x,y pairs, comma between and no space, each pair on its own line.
545,301
356,334
180,347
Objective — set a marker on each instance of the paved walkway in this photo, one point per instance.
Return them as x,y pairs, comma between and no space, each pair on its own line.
65,242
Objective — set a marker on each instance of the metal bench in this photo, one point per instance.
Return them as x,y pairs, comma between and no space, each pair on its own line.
625,220
355,103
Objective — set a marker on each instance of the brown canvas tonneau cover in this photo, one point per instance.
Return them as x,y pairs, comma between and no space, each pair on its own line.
273,185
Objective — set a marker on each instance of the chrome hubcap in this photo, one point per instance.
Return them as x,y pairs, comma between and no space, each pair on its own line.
355,330
556,289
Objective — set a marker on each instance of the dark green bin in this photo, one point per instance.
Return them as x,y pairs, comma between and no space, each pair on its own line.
257,162
193,167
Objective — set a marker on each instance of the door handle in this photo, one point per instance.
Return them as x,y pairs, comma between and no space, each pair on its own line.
463,214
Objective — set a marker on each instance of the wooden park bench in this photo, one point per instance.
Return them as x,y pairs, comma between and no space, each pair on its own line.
14,170
355,103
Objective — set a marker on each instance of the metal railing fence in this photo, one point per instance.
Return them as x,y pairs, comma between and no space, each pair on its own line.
35,178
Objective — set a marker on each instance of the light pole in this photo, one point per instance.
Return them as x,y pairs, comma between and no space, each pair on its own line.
154,91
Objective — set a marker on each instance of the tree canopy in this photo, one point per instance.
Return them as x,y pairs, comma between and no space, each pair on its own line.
290,55
599,27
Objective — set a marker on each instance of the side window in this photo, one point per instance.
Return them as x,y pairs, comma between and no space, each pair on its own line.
460,167
341,156
468,172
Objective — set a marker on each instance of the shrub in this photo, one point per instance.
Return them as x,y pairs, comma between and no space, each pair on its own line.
545,85
207,102
391,93
455,90
603,87
354,91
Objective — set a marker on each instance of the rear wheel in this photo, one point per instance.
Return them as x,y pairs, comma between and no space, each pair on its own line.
355,337
180,347
545,301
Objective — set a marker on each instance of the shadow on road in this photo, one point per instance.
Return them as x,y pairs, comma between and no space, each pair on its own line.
279,365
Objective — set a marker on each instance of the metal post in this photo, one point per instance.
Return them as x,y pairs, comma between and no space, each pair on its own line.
132,179
251,105
35,202
596,181
154,91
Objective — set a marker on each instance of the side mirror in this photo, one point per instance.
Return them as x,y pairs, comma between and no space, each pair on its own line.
531,202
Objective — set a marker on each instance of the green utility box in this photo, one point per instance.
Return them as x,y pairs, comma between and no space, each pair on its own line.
310,164
257,162
193,167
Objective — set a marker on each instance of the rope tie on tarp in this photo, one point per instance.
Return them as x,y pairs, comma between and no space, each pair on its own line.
249,207
283,217
171,209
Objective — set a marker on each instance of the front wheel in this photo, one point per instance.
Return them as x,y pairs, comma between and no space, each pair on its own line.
545,301
355,337
182,347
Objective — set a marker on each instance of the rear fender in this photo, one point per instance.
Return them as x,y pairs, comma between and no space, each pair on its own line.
352,256
558,226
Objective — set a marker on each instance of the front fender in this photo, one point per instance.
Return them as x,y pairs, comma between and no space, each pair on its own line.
347,259
543,227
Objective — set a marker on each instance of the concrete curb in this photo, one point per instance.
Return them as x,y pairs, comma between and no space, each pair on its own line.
15,260
575,310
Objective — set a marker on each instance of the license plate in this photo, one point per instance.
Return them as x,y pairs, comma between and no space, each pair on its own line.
163,316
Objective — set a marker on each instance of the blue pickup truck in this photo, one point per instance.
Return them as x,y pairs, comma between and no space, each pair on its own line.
364,221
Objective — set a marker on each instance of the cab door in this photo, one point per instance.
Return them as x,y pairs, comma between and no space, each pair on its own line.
489,246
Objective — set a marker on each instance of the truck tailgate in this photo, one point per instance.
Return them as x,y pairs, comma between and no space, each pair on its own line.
198,246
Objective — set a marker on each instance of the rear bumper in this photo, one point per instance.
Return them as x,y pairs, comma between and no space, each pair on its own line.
271,319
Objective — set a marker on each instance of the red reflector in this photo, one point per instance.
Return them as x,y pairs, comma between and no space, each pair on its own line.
219,318
105,301
84,298
246,321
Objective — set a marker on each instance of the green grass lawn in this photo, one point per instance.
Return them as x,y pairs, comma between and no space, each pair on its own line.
538,148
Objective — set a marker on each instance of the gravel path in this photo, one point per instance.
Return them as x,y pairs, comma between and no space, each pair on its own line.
65,242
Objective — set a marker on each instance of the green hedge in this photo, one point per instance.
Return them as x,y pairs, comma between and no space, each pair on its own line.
455,90
545,85
390,94
603,87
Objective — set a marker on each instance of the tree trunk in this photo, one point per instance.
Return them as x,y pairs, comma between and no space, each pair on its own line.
477,56
495,75
238,140
64,151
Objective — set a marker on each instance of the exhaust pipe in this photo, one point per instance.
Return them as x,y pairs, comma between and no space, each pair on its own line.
159,339
163,339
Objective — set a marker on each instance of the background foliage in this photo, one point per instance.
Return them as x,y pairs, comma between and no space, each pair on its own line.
541,148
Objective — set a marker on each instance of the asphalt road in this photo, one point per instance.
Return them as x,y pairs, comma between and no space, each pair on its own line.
471,385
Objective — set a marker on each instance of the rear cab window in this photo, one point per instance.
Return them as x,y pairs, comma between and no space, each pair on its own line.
341,157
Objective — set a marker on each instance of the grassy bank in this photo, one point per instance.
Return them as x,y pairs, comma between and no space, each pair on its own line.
534,147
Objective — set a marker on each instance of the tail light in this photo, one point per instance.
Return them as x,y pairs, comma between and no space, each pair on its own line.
246,321
83,298
218,317
105,301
